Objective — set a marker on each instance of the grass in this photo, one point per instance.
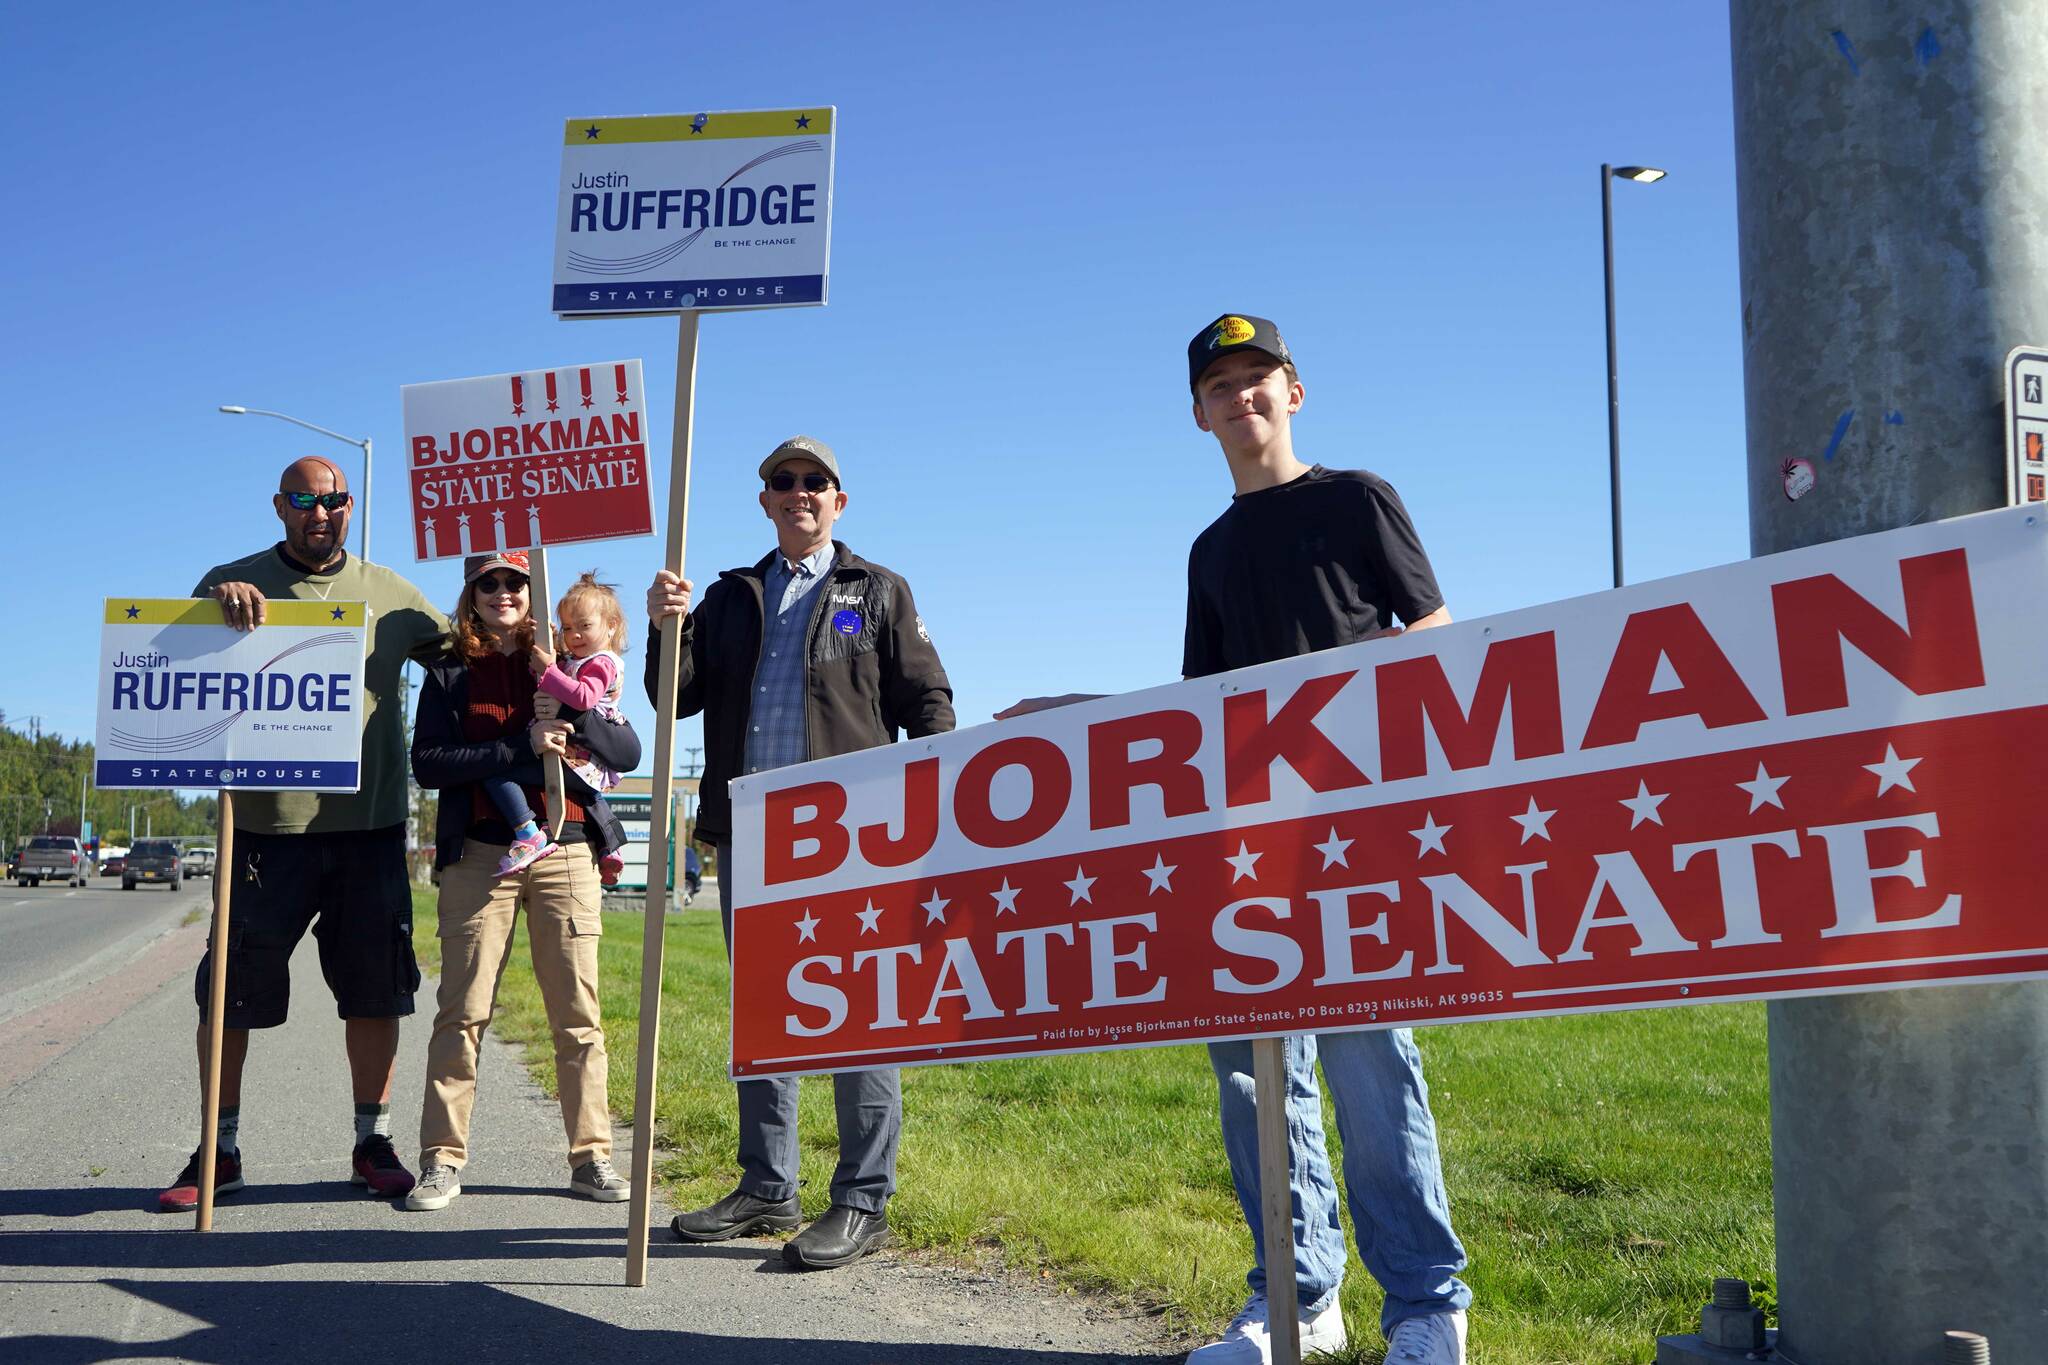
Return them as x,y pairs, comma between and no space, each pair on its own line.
1602,1168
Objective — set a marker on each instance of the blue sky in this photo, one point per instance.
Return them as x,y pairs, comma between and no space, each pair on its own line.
303,209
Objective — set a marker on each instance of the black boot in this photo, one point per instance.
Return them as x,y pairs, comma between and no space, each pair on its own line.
736,1215
841,1237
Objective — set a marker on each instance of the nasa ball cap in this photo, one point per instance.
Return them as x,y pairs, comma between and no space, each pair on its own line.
1231,333
803,448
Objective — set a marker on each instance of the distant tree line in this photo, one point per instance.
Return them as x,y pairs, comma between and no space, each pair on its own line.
39,790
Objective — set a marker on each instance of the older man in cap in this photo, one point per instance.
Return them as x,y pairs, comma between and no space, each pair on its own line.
811,652
335,858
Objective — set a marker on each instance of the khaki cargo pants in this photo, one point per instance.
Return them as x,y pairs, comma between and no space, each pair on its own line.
562,897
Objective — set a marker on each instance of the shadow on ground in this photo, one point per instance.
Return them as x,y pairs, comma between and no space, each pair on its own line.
251,1321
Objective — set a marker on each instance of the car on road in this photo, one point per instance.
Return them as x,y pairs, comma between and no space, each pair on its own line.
197,861
114,864
156,861
53,858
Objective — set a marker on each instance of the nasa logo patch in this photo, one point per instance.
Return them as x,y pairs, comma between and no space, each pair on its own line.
846,622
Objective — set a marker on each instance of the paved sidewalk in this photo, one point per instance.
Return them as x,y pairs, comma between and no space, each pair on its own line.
302,1267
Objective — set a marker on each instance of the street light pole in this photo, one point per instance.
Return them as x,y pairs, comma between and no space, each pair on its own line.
1642,175
363,445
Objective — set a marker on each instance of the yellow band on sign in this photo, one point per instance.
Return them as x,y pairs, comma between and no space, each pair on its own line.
204,611
597,132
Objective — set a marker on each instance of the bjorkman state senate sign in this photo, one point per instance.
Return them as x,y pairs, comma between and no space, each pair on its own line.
514,461
1815,772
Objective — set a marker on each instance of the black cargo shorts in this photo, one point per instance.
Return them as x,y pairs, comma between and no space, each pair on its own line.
352,888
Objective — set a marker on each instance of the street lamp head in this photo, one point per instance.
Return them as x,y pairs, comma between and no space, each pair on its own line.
1642,175
232,407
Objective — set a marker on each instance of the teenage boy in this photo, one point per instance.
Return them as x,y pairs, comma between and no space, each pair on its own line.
1308,558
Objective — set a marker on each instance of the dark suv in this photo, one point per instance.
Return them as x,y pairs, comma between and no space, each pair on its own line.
153,860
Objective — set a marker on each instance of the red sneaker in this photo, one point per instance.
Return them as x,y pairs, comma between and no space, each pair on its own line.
183,1195
378,1169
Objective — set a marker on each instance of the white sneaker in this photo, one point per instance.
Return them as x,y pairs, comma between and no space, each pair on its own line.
1248,1340
1433,1339
437,1188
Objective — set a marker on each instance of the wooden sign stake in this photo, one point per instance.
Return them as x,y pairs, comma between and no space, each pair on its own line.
1276,1198
659,824
540,603
216,1007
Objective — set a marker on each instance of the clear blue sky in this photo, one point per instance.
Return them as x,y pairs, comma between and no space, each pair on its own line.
303,209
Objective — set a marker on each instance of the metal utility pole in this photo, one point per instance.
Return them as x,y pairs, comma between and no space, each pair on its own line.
1892,188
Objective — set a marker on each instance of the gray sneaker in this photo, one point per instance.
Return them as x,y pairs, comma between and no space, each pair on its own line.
437,1186
596,1179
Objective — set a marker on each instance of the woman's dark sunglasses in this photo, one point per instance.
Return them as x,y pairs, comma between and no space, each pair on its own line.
782,481
306,502
496,583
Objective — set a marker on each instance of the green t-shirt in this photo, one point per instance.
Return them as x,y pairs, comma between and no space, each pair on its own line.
403,625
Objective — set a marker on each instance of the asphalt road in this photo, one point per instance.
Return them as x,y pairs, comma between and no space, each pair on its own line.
54,939
98,1109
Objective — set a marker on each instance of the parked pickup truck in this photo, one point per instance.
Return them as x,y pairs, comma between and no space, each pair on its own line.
153,860
53,858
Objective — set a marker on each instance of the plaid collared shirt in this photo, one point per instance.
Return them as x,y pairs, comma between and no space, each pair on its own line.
775,721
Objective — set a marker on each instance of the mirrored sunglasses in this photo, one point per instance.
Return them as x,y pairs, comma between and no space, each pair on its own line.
782,480
497,583
306,502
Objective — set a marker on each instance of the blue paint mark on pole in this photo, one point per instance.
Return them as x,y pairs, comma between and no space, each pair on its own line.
1848,51
1894,418
1841,430
1927,47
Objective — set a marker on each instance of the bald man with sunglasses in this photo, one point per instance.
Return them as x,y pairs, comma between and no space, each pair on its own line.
335,857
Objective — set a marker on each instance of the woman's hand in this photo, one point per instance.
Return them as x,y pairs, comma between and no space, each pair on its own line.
546,706
667,596
549,737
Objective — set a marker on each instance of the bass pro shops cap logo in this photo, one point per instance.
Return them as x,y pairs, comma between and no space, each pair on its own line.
1232,331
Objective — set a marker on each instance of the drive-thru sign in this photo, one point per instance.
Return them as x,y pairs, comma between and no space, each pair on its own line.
1813,772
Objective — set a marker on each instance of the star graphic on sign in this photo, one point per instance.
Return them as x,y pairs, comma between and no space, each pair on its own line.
1893,771
1535,821
134,612
336,613
807,927
1242,865
1763,791
868,918
1078,889
1006,898
1160,874
935,908
803,120
1643,806
590,133
1332,850
697,124
1430,838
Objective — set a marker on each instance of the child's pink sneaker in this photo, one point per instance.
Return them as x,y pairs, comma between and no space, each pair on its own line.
523,853
608,869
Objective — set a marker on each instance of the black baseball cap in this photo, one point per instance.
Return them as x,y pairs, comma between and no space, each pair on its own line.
1230,333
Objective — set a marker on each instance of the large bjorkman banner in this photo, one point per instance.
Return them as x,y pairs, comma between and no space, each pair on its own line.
1809,773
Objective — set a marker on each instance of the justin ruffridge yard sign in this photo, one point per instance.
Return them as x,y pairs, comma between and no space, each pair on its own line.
514,461
187,701
1810,773
694,212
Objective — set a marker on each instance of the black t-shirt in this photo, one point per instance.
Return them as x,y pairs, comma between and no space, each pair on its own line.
1323,560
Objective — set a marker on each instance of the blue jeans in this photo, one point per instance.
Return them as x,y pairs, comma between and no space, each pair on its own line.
1391,1170
869,1105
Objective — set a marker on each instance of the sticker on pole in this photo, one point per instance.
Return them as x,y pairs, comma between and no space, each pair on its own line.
513,461
188,701
694,212
2026,431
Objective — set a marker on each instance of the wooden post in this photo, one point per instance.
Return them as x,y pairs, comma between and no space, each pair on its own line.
540,603
661,814
216,1007
1276,1198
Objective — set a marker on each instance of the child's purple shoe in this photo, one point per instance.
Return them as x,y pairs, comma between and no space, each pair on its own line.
523,853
